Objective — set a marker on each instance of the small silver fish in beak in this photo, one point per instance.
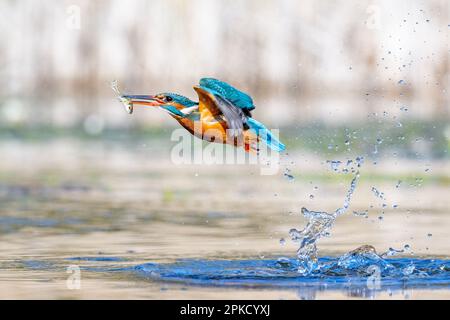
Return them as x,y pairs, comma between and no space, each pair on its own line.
125,101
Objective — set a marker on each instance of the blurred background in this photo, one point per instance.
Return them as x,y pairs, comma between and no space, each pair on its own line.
340,79
58,58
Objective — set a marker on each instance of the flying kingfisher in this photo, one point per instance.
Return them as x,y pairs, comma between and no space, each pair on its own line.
222,114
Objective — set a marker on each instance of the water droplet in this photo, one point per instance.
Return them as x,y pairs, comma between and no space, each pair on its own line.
361,214
359,161
392,252
334,164
311,196
347,142
407,247
404,109
378,193
429,235
288,175
282,241
295,234
401,82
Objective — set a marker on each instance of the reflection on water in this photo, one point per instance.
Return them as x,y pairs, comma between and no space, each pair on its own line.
112,211
361,271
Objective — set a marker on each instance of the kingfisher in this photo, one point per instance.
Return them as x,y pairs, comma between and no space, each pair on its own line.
221,115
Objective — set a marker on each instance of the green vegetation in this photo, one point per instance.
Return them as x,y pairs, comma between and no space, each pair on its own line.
411,138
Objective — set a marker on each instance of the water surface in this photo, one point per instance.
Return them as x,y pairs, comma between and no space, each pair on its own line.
138,227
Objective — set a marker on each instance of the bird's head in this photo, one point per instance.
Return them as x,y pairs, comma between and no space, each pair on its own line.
175,104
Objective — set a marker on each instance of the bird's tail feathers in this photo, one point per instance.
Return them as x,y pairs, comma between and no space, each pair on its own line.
266,135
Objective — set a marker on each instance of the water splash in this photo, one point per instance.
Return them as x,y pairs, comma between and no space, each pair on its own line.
318,226
363,256
353,272
378,193
393,252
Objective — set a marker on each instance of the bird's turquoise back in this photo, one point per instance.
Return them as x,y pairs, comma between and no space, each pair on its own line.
223,89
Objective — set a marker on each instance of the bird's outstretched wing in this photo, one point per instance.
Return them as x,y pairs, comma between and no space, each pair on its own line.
236,97
216,105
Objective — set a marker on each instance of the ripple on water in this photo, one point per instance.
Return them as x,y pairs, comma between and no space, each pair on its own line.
101,258
350,270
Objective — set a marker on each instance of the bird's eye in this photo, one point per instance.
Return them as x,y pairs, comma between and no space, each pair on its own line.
169,98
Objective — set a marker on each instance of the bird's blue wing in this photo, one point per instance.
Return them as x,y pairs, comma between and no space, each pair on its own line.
224,90
217,105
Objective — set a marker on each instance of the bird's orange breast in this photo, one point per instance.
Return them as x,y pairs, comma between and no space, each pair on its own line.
209,129
214,130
